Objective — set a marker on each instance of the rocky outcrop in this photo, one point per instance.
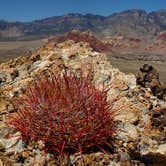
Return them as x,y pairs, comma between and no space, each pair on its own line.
140,115
88,37
149,77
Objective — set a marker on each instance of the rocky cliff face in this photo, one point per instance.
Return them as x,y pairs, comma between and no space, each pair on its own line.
130,23
140,118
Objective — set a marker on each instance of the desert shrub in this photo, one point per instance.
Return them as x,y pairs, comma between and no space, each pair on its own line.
67,112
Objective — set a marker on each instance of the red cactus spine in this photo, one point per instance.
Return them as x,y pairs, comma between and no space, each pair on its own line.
66,112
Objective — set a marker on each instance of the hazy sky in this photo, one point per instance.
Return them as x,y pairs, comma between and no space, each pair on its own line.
27,10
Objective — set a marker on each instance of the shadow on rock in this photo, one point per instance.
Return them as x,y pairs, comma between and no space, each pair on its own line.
149,77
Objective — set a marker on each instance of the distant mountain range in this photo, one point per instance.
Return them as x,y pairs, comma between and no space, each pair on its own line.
129,23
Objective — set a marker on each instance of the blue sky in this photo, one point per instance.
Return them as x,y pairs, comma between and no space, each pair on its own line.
27,10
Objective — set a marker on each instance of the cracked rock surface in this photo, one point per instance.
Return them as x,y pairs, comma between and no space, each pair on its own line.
141,116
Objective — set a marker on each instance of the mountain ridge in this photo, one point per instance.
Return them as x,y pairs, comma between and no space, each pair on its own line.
134,22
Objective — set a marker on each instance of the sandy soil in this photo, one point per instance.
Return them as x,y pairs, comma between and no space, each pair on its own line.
12,49
132,66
